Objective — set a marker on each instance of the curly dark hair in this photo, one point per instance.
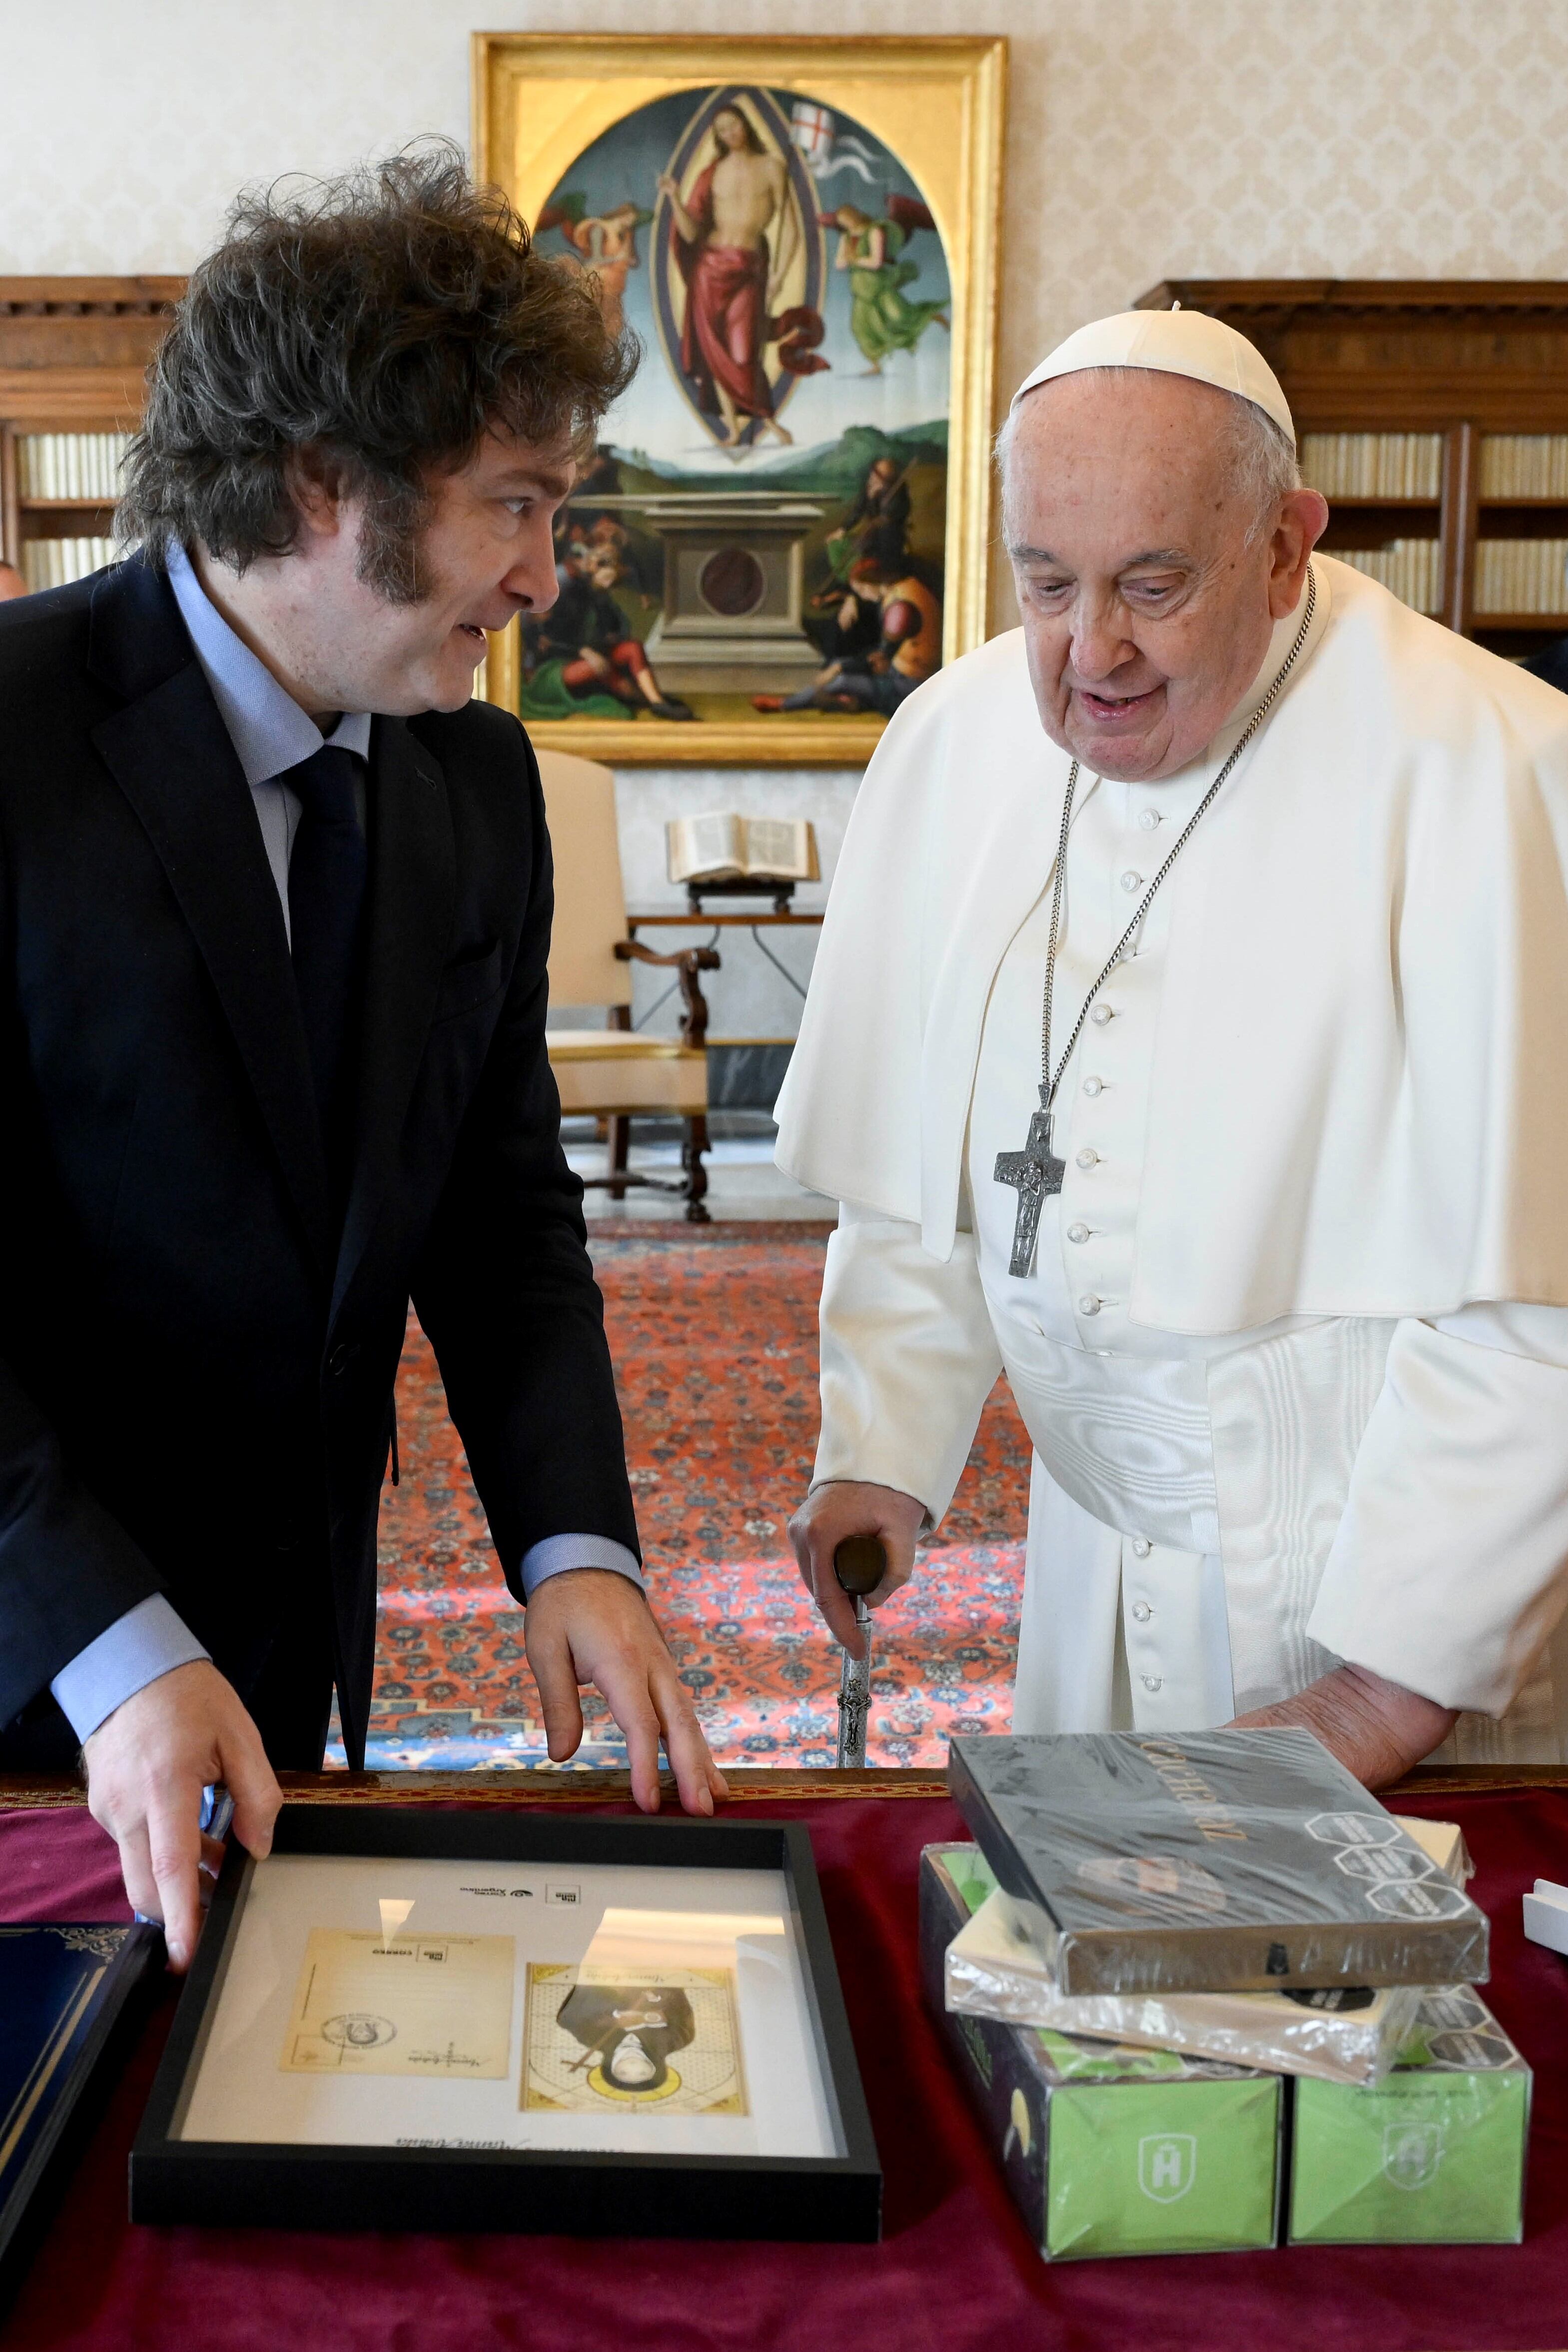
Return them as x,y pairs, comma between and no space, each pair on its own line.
387,319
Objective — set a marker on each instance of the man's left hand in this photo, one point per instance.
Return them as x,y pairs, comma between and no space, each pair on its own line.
592,1625
1378,1729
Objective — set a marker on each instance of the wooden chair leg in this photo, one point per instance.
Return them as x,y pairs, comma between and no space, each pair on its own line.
696,1175
619,1135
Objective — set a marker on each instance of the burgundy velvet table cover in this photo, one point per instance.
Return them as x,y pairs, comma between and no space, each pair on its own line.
956,2270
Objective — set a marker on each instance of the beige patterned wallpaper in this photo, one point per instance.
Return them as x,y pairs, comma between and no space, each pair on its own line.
1207,137
1237,137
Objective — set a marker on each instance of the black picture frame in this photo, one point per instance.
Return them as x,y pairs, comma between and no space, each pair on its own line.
226,2184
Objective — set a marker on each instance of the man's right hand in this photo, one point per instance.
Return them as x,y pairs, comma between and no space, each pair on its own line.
845,1507
147,1765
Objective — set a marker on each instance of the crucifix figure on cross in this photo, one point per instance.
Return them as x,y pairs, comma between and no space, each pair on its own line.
1035,1171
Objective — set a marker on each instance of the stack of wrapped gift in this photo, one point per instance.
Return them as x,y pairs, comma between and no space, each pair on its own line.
1208,1994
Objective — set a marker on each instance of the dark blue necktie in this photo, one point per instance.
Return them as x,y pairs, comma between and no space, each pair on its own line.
327,872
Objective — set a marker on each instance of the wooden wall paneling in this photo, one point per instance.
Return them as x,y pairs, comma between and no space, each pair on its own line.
84,322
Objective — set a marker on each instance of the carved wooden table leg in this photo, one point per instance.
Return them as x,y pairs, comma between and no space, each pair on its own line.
619,1140
697,1212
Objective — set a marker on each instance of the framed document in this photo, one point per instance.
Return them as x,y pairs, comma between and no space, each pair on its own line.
784,525
454,2020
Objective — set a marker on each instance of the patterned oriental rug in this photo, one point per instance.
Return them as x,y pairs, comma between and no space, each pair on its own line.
715,1339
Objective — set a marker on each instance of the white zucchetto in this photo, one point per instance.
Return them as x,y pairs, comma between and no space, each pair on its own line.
1175,342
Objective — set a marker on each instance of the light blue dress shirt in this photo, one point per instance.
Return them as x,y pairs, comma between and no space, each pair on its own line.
270,734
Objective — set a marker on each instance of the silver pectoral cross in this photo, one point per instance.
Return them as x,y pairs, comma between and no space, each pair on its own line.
1035,1171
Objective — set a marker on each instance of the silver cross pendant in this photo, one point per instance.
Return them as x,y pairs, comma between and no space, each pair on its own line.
1037,1172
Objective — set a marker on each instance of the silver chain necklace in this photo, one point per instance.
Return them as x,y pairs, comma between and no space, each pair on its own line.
1035,1172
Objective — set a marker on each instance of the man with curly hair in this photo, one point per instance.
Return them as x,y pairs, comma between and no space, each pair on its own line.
276,915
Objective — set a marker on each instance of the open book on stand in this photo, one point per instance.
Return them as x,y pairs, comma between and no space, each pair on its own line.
729,848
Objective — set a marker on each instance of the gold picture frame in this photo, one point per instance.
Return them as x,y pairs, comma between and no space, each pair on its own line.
934,108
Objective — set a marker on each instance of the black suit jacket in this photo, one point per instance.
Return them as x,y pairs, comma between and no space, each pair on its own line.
195,1367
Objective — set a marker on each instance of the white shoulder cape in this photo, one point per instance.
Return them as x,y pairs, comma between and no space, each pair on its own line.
1360,1098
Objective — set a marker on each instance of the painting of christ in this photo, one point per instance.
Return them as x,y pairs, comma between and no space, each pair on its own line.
737,233
755,554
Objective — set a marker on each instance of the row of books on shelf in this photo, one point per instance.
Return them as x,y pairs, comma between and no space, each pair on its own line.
53,562
1522,575
70,464
1410,465
1412,570
1340,465
1524,465
1511,575
1373,464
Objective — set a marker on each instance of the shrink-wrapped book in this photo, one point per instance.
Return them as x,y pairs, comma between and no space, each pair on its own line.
1225,1861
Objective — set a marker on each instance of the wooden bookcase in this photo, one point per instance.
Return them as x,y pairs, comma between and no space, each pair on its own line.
1471,361
73,356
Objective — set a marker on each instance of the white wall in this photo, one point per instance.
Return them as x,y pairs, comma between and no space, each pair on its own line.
1148,137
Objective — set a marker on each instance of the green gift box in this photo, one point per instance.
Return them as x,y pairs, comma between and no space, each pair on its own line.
1434,2154
1107,2150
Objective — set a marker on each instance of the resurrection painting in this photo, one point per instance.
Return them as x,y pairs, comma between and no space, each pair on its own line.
759,546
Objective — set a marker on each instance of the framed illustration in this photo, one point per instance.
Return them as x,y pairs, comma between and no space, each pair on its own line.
783,527
458,2019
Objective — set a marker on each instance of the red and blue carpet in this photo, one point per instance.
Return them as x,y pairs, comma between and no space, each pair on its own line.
714,1337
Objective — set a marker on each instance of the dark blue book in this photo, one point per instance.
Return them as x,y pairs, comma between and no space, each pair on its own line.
64,1990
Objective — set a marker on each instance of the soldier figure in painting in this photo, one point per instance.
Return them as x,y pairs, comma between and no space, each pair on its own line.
908,651
878,524
581,657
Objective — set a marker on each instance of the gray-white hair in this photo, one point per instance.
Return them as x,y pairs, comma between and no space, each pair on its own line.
1263,465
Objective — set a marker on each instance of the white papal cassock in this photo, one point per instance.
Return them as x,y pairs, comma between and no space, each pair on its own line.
1294,1357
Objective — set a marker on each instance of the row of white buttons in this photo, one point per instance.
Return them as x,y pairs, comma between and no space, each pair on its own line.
1090,1304
1141,1547
1100,1014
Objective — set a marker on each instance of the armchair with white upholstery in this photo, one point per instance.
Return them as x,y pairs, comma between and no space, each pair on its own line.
615,1074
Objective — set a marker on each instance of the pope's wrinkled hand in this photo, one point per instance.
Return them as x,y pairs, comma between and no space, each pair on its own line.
849,1506
592,1625
1378,1729
147,1765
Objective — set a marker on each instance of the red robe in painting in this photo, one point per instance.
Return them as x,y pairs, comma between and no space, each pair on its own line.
726,326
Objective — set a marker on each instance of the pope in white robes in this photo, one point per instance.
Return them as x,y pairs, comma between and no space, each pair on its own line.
1290,1340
